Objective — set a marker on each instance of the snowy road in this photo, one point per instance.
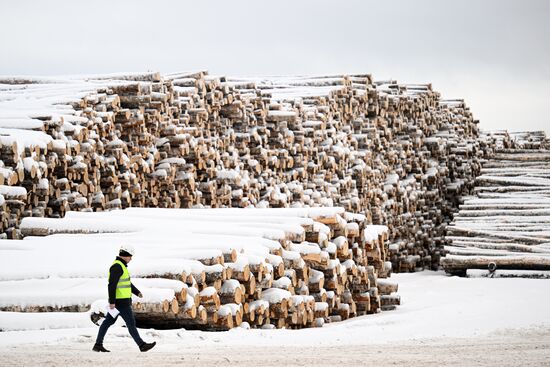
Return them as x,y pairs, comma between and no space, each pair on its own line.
442,321
516,348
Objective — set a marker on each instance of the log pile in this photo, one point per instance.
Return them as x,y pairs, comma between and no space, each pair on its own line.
396,153
208,269
506,224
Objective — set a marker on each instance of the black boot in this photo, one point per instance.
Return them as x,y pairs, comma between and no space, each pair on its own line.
146,346
99,348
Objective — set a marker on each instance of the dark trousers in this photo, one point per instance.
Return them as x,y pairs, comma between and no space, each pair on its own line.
128,317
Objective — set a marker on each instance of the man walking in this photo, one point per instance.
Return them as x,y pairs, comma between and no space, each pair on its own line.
120,297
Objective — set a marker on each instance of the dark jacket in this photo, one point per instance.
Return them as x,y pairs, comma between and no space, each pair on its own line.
115,272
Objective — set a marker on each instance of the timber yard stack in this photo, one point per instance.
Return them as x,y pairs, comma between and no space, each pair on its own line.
209,269
503,230
396,153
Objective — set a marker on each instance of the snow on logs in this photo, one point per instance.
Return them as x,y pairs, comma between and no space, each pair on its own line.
208,269
504,230
396,153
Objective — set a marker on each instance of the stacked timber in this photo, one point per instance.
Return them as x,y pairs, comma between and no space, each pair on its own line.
504,229
396,153
208,269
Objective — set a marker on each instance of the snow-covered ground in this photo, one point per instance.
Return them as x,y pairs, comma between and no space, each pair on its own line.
436,309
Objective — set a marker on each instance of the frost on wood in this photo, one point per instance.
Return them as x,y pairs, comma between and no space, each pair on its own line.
397,154
197,278
504,229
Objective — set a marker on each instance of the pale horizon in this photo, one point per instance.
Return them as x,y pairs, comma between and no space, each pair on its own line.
493,54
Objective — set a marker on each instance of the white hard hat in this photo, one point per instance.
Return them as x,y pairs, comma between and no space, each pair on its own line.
127,249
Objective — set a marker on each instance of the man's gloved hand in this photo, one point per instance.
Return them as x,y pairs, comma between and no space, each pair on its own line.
140,295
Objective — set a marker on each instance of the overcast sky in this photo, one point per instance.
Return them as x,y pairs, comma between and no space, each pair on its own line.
495,54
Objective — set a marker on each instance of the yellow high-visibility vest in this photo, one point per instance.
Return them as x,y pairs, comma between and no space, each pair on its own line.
124,286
